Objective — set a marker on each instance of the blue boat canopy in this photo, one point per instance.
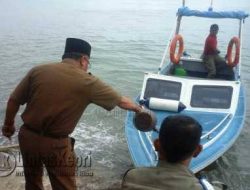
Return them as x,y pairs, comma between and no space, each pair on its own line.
185,11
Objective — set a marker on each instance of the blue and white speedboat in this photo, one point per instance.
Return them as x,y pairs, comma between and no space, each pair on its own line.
218,104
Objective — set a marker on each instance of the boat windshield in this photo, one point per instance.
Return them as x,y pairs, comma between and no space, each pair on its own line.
218,97
162,89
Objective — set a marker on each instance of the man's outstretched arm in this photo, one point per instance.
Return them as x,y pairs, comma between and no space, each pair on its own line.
128,104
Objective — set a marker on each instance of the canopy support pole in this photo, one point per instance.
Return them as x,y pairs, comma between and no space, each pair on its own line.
166,52
177,29
238,67
240,28
211,4
178,24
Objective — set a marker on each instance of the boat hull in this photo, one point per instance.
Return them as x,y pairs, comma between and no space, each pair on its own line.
215,144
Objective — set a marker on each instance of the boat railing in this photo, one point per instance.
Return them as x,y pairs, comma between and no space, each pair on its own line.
149,137
145,146
207,135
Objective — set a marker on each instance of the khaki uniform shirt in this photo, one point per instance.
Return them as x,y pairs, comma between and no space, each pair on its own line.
57,94
165,176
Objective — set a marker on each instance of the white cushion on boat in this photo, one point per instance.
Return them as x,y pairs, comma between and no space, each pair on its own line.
167,105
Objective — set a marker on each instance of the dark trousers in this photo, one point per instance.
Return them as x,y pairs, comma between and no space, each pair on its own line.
57,155
210,62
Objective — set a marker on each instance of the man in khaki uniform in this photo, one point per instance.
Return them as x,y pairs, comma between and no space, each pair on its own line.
179,141
56,95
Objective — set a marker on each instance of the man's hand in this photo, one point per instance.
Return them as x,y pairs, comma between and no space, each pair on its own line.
8,130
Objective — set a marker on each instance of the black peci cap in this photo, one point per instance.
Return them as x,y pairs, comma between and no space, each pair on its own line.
76,46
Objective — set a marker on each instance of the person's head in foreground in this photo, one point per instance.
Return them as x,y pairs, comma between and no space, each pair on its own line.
179,139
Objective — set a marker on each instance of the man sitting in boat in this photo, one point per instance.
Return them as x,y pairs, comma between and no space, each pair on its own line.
212,60
178,143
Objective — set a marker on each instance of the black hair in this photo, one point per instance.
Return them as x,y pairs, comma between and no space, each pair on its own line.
75,56
214,27
179,136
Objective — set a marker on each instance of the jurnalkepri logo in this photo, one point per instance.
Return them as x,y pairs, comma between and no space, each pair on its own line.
7,163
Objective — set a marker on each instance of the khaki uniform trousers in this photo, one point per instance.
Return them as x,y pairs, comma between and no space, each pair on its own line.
210,62
56,155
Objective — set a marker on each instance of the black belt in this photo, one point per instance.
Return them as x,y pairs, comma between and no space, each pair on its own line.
43,133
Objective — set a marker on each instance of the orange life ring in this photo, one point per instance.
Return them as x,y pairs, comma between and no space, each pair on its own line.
234,41
175,58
